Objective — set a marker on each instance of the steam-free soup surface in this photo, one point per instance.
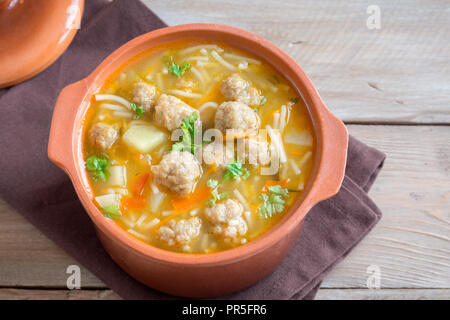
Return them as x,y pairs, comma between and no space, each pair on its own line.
197,147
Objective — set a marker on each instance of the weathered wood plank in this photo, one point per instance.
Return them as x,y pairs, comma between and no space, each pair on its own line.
410,244
322,294
383,294
399,73
40,294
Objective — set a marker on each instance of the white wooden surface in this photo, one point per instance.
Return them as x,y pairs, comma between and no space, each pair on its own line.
392,86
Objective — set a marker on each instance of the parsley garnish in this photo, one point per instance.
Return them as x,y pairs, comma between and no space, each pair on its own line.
189,131
263,101
273,202
139,110
176,70
234,171
216,196
111,212
294,100
99,167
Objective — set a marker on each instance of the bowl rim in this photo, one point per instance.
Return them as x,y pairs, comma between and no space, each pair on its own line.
290,220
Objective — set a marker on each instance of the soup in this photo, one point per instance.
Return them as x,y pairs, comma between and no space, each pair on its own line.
197,147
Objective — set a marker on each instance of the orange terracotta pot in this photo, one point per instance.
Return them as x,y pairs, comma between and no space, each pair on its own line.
33,34
212,274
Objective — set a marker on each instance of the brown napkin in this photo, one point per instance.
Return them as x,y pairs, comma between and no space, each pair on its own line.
43,194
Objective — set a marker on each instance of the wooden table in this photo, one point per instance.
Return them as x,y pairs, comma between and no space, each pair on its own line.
392,88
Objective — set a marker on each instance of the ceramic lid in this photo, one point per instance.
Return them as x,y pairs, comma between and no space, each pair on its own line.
33,34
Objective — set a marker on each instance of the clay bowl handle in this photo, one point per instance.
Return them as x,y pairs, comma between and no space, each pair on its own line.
61,144
333,157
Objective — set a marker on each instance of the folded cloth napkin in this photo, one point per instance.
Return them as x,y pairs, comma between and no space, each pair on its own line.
43,194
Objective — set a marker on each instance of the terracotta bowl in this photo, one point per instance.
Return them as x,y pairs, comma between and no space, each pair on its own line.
212,274
33,34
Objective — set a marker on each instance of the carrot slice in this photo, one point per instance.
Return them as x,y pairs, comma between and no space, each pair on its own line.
269,183
141,181
183,204
133,203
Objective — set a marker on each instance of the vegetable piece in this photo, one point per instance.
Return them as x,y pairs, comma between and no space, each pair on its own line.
118,176
99,167
144,138
263,101
141,181
198,197
155,201
107,200
112,212
216,196
294,100
273,202
175,69
270,183
302,138
234,171
110,205
138,110
133,203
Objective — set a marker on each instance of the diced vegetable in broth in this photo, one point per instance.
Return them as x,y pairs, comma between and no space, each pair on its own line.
144,138
162,190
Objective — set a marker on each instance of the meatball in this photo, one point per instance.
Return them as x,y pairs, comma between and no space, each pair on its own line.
227,219
180,232
237,89
255,152
103,136
236,116
177,171
144,95
236,227
170,112
216,154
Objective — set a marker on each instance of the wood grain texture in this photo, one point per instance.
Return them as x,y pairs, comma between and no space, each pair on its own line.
410,244
383,294
397,74
323,294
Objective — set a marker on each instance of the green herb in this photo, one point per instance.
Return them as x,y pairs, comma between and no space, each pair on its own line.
211,183
216,196
189,130
294,100
273,202
176,70
139,110
99,168
234,171
111,212
263,101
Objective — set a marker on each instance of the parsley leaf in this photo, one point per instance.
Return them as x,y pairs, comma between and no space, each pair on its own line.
176,70
211,183
99,167
189,130
273,202
234,171
139,110
216,196
111,212
263,101
294,100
